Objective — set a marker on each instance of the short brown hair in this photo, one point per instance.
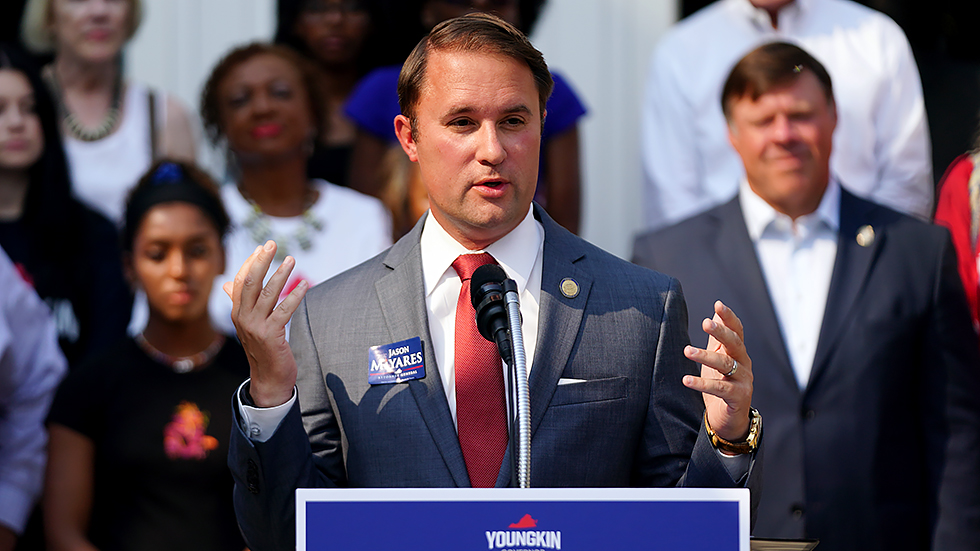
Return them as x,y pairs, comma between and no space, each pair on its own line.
210,103
474,32
770,66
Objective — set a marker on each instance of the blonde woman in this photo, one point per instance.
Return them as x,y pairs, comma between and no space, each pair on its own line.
113,128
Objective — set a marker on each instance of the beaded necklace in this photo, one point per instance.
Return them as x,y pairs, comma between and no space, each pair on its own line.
74,126
182,364
259,226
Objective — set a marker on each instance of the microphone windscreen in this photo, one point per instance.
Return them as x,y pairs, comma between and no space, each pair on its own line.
488,273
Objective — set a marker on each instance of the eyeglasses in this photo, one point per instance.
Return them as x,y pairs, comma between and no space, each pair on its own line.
323,8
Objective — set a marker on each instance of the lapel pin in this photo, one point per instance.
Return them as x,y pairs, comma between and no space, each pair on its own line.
866,236
569,287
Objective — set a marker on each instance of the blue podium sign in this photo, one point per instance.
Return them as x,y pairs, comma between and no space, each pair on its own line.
663,519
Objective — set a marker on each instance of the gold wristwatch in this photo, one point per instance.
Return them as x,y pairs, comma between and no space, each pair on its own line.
749,445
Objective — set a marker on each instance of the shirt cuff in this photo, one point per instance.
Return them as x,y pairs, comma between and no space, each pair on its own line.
259,424
737,465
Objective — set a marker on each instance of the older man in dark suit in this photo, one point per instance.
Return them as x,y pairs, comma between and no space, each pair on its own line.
866,365
608,339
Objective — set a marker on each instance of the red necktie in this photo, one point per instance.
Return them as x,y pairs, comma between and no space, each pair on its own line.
480,408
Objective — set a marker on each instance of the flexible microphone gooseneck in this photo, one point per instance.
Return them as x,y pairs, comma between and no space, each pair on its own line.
498,317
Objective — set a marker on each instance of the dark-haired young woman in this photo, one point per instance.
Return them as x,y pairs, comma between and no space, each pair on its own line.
65,250
138,437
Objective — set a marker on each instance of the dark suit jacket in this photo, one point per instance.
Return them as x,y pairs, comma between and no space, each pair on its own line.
631,423
856,458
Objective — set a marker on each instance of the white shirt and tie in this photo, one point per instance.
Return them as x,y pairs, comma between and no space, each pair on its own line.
520,254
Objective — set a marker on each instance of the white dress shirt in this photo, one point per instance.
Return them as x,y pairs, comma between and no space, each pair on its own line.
519,253
881,144
797,260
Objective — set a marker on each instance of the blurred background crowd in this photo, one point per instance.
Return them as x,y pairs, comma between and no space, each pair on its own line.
148,146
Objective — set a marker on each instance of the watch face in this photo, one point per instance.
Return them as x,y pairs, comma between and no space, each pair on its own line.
755,428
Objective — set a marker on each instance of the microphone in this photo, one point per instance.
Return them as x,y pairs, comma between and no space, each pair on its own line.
487,296
498,317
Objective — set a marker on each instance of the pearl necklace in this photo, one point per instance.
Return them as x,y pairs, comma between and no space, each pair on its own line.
259,227
74,126
182,364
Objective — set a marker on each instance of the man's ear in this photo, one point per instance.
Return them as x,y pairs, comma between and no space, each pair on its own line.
732,133
403,129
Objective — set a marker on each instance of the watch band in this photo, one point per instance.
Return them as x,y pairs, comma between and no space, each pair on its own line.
748,445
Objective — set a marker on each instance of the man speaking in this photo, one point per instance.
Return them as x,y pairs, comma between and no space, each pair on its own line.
607,340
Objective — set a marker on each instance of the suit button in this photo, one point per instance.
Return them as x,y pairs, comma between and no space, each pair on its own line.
252,477
809,414
797,511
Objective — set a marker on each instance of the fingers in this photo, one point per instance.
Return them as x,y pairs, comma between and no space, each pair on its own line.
722,388
724,339
725,348
239,281
288,306
728,318
269,295
727,399
255,269
719,362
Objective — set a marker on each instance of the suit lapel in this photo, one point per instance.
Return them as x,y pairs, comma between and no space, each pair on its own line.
401,295
851,267
739,265
559,318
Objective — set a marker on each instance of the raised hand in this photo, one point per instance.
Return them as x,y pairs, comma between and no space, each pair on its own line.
261,324
726,374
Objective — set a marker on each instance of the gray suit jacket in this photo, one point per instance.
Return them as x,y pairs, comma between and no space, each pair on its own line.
890,413
631,423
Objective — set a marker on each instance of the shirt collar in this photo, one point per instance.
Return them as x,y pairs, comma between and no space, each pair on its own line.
759,214
789,15
515,252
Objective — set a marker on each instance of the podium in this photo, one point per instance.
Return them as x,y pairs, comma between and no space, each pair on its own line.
510,519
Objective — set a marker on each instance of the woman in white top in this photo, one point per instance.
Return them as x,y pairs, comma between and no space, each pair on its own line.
113,128
258,104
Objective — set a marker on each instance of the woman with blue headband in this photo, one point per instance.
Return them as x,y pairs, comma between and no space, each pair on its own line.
138,437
